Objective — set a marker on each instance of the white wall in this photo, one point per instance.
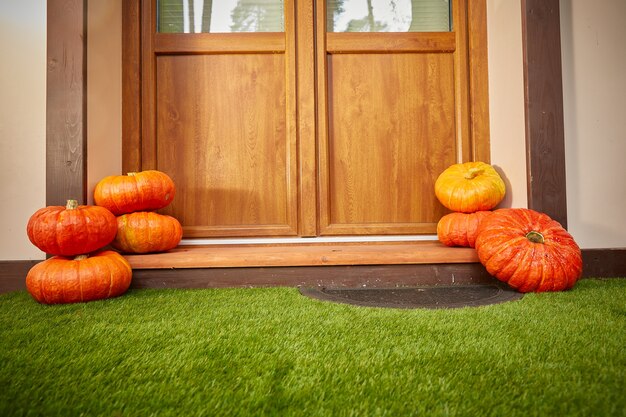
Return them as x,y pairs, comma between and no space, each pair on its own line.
22,123
594,103
506,98
104,91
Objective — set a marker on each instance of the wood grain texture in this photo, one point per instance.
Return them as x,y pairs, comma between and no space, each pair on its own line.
194,43
306,105
222,256
131,86
461,82
391,131
350,276
357,42
478,80
148,85
222,137
66,103
545,138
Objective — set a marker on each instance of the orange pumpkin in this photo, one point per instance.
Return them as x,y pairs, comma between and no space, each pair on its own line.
469,187
144,232
71,230
459,229
61,280
137,191
528,250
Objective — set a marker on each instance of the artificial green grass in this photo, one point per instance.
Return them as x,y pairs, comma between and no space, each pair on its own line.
272,352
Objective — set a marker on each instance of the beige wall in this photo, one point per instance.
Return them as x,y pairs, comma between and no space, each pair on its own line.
506,97
104,91
594,83
22,123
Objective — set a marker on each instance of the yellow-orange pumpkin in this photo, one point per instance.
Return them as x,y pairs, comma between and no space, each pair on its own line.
145,231
71,230
528,250
61,280
459,229
137,191
470,187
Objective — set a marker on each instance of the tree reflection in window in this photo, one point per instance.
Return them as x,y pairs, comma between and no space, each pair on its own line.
388,15
220,16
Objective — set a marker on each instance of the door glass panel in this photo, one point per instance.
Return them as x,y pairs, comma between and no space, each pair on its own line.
220,16
388,15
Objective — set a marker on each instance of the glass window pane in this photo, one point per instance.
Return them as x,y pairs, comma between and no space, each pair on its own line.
388,15
220,16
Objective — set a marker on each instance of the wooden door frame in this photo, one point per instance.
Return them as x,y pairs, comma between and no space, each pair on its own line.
544,148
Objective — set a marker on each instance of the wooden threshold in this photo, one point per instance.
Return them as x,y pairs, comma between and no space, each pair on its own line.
305,254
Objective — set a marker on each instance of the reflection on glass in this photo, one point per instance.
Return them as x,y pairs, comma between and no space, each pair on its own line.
220,16
388,15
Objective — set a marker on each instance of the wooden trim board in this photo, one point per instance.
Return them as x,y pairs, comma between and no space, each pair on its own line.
224,256
597,263
543,91
66,102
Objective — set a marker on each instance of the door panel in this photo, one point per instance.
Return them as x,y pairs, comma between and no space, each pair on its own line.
390,133
307,132
221,135
392,116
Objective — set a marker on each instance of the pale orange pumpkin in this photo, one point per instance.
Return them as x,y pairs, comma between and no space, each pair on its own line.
145,231
470,187
459,229
137,191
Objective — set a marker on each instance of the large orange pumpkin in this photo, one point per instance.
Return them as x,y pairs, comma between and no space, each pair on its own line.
459,229
528,250
145,231
71,230
61,280
469,187
137,191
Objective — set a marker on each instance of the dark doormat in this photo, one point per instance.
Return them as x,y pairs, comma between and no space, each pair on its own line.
417,297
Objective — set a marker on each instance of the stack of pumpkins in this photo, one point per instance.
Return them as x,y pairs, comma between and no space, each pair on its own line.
80,269
522,247
132,198
76,235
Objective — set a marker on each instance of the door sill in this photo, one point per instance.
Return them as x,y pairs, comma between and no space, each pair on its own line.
304,254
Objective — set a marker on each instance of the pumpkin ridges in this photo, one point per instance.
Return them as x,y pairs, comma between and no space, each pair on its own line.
144,232
140,191
458,193
59,230
65,280
460,229
556,263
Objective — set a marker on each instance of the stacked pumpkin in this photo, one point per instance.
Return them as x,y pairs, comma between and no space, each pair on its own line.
470,190
132,198
522,247
79,270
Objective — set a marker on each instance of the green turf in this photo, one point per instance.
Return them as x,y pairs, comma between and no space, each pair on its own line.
272,352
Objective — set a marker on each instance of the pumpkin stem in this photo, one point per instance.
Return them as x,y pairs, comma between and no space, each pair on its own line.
473,173
131,174
81,257
534,237
71,205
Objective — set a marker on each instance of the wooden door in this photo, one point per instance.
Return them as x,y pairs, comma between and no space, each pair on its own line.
393,115
310,132
219,118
